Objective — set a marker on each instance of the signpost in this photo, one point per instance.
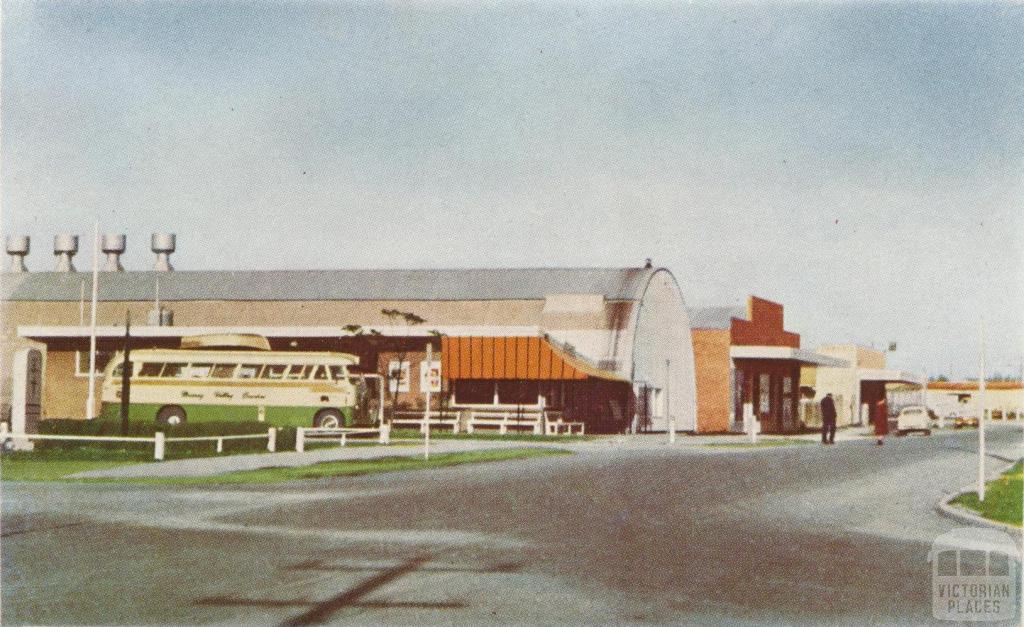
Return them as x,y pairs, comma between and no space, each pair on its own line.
426,409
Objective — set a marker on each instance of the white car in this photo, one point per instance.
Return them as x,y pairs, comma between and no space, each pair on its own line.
913,418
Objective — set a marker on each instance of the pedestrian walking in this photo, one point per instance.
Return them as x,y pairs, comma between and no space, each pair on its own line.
828,420
881,420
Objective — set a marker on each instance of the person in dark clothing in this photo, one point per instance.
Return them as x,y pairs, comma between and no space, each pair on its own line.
828,420
881,420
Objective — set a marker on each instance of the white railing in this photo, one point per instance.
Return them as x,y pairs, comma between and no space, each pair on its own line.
159,439
302,434
560,427
506,420
415,419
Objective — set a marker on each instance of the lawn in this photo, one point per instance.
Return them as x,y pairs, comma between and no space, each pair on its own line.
759,444
1004,498
58,464
350,468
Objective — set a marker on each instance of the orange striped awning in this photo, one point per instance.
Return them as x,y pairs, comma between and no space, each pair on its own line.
523,358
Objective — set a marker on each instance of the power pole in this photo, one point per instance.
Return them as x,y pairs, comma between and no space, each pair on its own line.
981,418
126,373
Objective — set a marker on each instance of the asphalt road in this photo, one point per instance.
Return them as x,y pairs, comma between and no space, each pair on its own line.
799,535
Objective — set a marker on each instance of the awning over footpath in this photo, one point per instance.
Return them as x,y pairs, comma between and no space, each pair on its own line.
786,353
521,358
888,376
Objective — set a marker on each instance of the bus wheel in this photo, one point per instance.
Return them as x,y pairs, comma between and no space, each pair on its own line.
327,419
171,415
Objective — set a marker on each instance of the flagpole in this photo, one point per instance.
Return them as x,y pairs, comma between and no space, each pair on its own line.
90,411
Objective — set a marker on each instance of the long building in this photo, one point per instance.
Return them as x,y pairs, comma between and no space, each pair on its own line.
609,347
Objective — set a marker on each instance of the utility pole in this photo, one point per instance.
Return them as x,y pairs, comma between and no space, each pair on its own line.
426,410
126,373
981,418
668,405
90,411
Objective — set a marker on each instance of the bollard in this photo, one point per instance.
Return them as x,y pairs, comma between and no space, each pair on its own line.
271,439
300,440
385,434
261,413
3,431
220,445
343,439
158,446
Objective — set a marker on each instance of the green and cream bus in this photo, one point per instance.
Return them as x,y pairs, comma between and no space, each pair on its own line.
201,383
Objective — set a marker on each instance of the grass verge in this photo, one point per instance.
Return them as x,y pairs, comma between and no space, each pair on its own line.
53,467
760,443
1004,498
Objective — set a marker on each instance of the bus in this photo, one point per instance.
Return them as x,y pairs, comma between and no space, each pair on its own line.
211,380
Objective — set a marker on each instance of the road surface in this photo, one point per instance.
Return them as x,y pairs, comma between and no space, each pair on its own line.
802,534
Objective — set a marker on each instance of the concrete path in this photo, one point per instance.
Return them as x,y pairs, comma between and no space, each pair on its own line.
209,466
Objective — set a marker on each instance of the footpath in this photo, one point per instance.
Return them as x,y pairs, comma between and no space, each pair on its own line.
209,466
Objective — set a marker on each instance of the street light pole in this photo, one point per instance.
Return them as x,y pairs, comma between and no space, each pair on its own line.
981,418
668,405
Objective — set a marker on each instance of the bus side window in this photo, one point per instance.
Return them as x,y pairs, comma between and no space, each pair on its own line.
150,370
298,372
249,371
273,372
200,371
320,374
946,564
223,371
175,371
338,373
118,370
998,564
972,563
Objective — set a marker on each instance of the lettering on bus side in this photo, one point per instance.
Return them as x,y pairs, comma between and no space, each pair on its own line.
248,395
221,394
187,394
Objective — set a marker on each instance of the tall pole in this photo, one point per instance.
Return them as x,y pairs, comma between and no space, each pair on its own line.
981,418
426,410
126,373
668,406
90,411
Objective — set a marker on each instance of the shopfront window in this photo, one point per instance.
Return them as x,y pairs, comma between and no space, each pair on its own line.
518,392
474,392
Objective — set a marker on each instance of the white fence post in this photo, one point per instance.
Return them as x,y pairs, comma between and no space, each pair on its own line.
3,432
343,439
158,446
300,439
220,445
385,434
271,439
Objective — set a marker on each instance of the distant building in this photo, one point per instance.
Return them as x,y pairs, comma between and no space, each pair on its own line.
745,357
610,347
962,397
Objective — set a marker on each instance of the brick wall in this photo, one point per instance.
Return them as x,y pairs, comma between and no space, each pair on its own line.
711,366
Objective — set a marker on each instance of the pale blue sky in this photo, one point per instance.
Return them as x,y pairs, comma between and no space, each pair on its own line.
861,163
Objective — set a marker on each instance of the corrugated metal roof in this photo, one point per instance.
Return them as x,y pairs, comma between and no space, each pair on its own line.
715,317
468,284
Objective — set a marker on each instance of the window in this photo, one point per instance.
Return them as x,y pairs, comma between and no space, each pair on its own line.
174,371
998,564
398,376
82,362
946,564
430,376
972,563
223,371
249,371
150,369
273,371
338,373
320,374
297,372
474,392
199,371
764,391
